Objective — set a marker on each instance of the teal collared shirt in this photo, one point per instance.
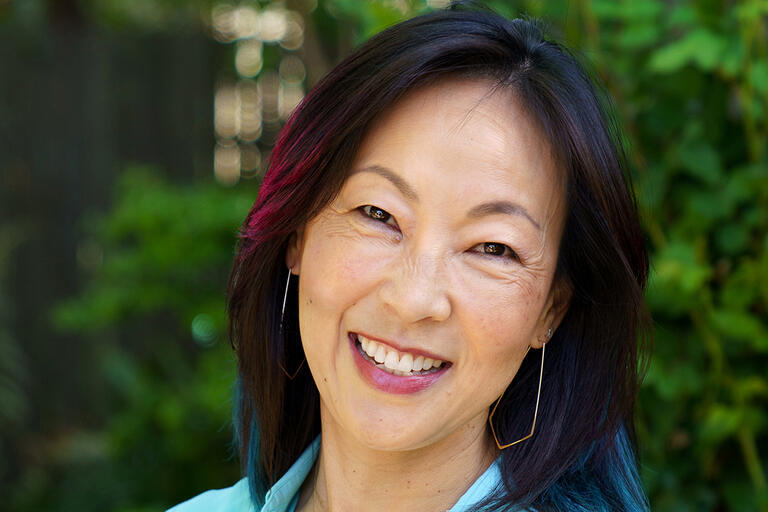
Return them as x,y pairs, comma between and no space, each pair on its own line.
284,495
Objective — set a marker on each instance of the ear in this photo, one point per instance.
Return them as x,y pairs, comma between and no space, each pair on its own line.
294,251
557,304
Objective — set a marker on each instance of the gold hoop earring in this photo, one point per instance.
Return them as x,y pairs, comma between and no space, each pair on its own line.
535,411
282,316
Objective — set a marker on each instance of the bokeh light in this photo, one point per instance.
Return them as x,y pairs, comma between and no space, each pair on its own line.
250,160
294,31
248,113
203,330
250,110
246,22
223,22
248,57
269,82
292,70
226,116
226,163
289,96
273,24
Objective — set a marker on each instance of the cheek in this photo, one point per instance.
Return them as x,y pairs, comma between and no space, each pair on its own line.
338,269
501,321
498,329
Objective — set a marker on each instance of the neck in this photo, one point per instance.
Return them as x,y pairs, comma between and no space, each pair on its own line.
351,476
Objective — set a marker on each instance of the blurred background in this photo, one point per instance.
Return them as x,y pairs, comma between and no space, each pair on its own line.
133,138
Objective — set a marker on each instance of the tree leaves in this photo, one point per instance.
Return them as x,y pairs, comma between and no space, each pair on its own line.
700,47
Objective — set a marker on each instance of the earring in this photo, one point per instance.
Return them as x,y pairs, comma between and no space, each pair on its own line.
282,316
535,411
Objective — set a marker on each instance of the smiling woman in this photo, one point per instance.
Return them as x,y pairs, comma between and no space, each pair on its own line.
436,269
446,199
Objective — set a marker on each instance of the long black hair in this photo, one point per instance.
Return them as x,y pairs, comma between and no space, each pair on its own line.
582,456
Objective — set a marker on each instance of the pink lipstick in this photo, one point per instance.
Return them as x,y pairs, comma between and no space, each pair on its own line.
384,380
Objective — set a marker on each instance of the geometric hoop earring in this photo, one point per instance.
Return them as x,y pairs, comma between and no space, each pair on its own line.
282,315
535,411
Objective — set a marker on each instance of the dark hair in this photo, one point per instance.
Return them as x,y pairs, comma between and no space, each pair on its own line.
582,455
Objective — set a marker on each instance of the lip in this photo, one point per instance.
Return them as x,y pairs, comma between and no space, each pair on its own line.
390,383
401,348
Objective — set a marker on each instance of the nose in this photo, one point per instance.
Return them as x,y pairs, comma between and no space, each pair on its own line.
415,289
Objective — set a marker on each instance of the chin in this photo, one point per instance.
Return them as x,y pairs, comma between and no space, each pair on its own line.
393,442
395,435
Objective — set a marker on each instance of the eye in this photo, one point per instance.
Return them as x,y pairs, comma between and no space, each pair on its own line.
496,249
376,213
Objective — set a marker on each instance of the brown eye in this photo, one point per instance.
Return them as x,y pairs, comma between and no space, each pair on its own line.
378,214
497,249
493,248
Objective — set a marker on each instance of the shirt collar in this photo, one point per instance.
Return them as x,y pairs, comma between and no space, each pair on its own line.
483,487
281,496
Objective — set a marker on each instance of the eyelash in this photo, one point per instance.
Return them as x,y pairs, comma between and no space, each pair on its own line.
366,211
512,255
384,216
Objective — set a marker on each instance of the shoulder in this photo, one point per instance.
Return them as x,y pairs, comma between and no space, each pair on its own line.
231,499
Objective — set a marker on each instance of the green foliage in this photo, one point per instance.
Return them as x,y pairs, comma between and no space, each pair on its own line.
154,314
690,82
164,249
690,88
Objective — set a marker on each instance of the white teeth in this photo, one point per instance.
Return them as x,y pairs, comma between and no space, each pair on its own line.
406,363
392,361
381,354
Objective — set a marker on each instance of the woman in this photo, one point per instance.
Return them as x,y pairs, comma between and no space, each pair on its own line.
448,198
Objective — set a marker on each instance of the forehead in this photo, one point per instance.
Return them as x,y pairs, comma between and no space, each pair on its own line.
465,137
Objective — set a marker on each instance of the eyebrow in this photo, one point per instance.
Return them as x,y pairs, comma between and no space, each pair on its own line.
481,210
396,180
505,207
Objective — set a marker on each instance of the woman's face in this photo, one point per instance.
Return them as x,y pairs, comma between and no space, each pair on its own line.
441,246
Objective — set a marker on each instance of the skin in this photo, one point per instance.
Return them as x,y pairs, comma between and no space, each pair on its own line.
424,278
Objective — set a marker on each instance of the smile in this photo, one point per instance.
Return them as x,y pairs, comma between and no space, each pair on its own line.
395,362
392,370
